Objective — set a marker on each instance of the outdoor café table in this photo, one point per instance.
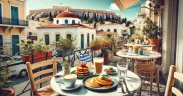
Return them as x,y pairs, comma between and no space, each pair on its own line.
134,83
139,45
151,55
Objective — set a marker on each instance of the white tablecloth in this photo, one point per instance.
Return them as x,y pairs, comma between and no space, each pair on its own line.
139,45
150,55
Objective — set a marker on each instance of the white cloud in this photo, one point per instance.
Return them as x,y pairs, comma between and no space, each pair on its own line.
114,6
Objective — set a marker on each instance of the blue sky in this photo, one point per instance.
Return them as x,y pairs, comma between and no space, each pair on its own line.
108,5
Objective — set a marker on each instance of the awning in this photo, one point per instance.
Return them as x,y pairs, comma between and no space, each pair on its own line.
123,4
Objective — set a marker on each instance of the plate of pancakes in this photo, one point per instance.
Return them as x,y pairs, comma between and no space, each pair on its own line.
82,71
100,82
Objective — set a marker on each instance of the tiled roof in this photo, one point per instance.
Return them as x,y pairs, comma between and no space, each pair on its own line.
65,26
66,14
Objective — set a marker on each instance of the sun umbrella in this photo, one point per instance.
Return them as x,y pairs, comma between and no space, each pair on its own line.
123,4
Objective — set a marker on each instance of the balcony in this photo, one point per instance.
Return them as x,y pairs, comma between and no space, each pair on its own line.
17,22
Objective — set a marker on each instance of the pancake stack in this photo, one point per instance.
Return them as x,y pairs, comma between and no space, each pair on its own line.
82,70
100,81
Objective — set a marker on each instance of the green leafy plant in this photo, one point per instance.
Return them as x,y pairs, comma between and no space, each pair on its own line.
4,76
29,48
96,42
151,29
66,67
40,47
65,44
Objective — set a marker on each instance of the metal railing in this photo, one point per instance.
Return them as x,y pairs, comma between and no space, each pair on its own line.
10,21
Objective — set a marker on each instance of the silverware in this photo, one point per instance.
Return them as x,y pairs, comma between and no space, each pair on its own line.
121,85
124,82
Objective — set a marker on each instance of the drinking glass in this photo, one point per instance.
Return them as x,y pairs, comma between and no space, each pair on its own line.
98,64
122,70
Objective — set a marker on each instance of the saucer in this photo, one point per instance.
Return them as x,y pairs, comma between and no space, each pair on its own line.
62,86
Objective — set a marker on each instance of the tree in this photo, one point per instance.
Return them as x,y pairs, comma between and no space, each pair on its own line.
50,17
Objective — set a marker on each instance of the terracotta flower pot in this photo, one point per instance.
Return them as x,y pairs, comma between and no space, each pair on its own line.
152,41
37,57
95,48
7,92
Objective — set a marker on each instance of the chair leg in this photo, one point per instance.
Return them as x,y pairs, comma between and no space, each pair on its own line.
151,80
157,81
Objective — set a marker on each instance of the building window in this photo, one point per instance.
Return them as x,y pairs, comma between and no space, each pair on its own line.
66,21
88,39
82,41
73,21
115,30
68,36
57,21
57,37
47,41
78,22
108,30
92,36
109,35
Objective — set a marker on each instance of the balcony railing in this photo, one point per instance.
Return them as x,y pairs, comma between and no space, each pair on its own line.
10,21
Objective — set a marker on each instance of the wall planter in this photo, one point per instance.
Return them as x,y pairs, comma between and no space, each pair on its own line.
95,48
37,57
64,53
7,92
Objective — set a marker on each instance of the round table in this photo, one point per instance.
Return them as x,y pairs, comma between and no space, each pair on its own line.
133,83
151,55
139,45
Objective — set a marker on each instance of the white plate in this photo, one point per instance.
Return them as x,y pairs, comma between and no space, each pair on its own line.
62,86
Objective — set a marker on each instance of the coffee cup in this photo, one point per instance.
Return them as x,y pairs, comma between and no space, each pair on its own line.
69,80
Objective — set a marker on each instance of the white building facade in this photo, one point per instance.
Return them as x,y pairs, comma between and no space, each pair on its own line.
116,28
67,25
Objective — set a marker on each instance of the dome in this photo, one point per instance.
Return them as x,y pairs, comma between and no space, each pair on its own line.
66,14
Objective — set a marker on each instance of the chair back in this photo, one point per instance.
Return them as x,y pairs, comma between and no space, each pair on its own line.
32,76
170,82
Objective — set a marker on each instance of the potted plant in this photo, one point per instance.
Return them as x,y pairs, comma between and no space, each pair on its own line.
66,67
96,44
107,41
34,52
5,83
107,55
152,31
64,46
115,39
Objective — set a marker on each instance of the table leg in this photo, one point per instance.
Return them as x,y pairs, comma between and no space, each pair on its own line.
133,60
154,62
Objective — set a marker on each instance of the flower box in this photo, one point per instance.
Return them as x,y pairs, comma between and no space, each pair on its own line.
37,57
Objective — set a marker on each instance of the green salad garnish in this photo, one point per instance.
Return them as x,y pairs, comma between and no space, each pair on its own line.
103,77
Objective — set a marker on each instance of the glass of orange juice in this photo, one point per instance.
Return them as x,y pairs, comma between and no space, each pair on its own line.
98,64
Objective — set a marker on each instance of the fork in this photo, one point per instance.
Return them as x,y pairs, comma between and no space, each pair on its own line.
121,85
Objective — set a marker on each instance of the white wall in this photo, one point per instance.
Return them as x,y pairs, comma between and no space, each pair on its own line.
33,27
119,28
62,20
75,32
85,31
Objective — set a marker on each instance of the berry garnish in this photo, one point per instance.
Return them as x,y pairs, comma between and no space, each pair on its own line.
83,65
